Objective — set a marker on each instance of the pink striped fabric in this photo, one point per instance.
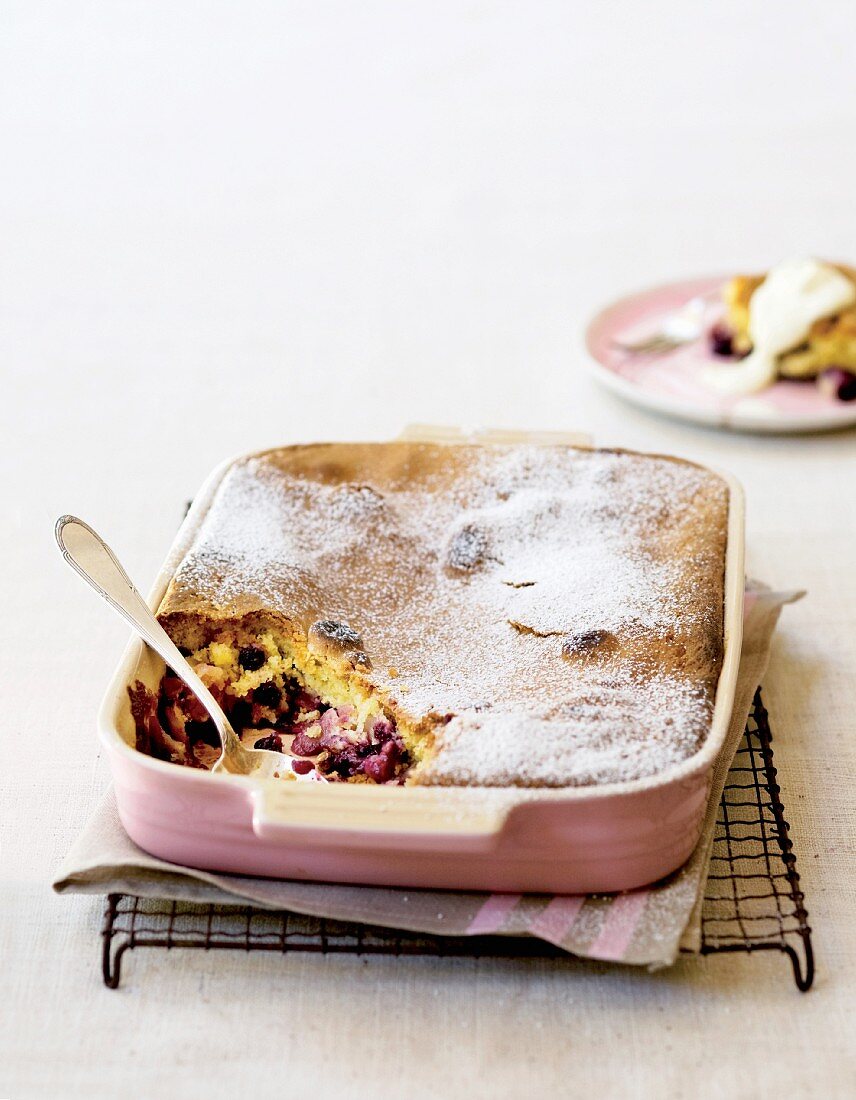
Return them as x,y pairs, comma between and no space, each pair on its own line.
555,921
493,914
621,922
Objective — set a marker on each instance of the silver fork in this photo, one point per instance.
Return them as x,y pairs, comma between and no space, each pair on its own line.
89,555
681,327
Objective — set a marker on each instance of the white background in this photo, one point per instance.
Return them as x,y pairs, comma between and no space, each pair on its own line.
226,226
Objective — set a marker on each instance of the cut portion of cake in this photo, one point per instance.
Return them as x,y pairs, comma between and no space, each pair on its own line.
328,724
451,615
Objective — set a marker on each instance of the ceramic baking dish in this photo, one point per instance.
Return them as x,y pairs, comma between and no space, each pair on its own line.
569,840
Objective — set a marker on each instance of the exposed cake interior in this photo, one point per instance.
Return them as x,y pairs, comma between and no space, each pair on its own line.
278,695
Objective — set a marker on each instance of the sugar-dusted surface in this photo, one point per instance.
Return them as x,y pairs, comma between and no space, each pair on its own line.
552,616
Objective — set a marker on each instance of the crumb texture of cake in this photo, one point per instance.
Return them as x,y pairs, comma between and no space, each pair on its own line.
459,615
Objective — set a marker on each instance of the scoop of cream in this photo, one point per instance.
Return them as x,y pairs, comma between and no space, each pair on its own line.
794,295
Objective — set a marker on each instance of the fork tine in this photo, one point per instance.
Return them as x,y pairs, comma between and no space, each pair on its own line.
653,345
664,345
638,346
681,327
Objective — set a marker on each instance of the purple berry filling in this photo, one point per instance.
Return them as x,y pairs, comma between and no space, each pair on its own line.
837,383
267,695
721,340
304,745
251,658
322,737
273,741
305,701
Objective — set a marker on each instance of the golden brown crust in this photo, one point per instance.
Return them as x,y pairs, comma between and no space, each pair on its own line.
573,594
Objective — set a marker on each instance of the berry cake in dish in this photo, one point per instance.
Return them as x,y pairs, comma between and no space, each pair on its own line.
494,616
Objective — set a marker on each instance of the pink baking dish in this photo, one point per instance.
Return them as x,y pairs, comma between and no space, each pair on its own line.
575,840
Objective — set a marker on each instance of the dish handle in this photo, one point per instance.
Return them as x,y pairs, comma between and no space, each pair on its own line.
434,433
340,816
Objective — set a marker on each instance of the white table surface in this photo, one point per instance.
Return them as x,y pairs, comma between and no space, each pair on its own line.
226,226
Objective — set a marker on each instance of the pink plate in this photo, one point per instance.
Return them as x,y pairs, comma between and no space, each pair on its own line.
673,383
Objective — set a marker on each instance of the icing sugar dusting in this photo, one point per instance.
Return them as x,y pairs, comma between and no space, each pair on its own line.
470,571
588,741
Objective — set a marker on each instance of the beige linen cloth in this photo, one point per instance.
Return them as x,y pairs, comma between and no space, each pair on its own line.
647,926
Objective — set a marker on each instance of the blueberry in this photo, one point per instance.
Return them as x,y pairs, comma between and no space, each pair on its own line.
467,550
344,763
203,731
273,742
721,340
240,714
267,695
838,383
574,645
251,657
341,634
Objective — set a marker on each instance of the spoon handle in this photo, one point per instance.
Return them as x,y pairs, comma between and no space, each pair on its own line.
89,555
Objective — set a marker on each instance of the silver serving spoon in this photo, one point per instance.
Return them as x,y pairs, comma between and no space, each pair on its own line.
87,553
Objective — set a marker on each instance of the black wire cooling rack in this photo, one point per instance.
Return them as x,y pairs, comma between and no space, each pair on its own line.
753,900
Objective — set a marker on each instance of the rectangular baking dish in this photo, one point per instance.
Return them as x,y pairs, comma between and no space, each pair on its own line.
569,840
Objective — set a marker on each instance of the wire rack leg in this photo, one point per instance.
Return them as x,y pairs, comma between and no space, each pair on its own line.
753,897
111,953
804,977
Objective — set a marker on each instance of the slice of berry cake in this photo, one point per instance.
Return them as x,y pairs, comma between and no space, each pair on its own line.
812,304
454,615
